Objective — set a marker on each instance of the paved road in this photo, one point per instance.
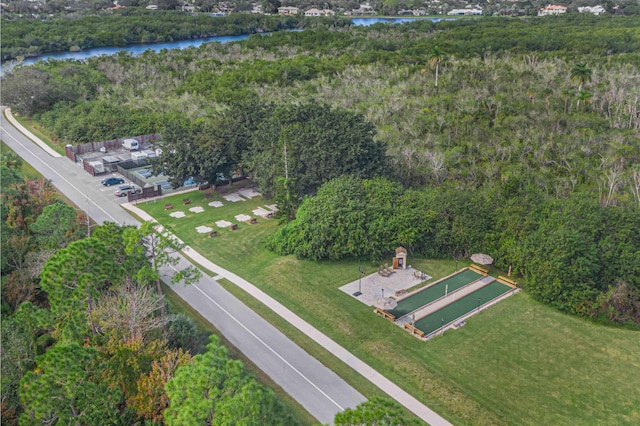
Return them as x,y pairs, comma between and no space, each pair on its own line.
314,386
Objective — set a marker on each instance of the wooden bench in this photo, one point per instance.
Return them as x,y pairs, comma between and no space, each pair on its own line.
479,269
385,314
253,221
507,281
413,330
269,215
168,206
213,234
400,292
186,201
233,226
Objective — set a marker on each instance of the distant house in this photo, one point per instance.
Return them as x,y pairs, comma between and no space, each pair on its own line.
470,11
414,12
313,12
288,10
596,10
318,12
552,9
364,9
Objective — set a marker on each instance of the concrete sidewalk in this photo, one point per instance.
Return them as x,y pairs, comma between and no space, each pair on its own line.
391,389
34,138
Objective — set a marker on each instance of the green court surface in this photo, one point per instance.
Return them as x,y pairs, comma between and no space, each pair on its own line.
434,292
461,307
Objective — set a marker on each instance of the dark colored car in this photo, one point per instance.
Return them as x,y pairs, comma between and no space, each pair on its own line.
112,181
123,190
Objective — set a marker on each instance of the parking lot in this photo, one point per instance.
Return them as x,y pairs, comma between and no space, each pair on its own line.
136,173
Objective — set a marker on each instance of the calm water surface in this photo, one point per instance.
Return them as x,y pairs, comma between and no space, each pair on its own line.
138,49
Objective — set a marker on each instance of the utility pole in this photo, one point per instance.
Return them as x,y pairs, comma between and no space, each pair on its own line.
286,159
88,220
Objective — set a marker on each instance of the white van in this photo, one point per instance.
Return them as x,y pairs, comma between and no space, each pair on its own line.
131,144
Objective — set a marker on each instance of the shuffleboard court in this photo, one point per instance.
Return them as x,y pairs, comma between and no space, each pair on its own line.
461,307
434,292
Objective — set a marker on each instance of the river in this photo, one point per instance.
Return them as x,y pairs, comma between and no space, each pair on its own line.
137,49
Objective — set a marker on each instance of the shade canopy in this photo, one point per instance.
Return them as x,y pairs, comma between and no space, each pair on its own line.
482,259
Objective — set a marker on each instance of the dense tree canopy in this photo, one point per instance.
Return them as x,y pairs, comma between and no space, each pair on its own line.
307,144
66,389
375,412
311,144
214,389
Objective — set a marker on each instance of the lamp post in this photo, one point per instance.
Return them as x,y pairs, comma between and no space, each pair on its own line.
359,292
442,327
478,304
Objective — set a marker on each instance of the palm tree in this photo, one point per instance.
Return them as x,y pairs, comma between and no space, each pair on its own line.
583,97
580,74
435,56
532,96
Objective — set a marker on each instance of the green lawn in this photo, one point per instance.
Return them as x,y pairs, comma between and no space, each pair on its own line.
519,362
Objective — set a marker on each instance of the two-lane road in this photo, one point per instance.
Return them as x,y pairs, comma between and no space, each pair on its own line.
315,387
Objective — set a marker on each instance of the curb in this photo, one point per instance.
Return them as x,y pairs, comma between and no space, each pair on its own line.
20,127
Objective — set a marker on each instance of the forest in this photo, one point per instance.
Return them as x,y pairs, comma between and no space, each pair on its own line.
22,38
530,126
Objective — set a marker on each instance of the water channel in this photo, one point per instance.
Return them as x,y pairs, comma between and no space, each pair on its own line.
137,49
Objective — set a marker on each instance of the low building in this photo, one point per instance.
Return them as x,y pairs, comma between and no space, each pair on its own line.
470,11
552,9
364,9
596,10
318,12
288,10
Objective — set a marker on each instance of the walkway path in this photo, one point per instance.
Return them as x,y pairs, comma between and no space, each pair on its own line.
30,135
390,388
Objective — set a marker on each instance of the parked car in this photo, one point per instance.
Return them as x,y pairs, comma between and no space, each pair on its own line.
112,181
123,190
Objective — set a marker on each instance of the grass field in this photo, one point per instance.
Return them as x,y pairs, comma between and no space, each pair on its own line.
519,362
